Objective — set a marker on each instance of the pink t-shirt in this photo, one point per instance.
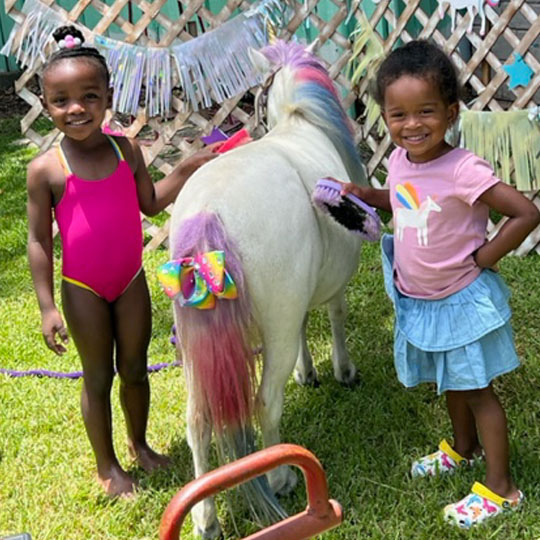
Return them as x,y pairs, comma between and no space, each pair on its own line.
438,221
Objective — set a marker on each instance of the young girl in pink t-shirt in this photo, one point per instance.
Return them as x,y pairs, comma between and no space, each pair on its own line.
452,315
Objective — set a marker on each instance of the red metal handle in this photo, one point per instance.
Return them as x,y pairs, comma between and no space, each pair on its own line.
320,515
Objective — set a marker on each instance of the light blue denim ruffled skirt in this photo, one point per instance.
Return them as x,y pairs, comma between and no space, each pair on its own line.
461,342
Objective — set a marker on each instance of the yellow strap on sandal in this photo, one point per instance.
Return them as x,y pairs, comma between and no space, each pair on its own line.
449,451
486,493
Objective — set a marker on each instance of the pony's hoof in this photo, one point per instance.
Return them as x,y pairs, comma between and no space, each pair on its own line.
349,378
210,533
309,379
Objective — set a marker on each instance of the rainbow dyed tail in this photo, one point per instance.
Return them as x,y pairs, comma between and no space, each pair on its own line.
219,359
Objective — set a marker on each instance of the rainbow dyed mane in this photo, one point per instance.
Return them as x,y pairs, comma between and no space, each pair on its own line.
315,98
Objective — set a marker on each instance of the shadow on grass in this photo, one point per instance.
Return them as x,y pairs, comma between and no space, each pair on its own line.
176,476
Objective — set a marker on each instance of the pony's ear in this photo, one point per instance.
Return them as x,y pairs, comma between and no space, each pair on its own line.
259,61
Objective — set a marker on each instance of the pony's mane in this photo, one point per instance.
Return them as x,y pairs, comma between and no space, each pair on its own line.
316,99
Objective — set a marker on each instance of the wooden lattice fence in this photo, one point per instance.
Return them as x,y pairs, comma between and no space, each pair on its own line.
511,27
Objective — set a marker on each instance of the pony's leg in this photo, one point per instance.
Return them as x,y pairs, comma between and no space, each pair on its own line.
344,369
199,435
472,15
482,15
305,373
441,8
280,354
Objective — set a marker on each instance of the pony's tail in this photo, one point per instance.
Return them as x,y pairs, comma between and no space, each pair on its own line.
220,359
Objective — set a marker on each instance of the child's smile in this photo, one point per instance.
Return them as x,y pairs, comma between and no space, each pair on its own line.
76,97
78,122
417,117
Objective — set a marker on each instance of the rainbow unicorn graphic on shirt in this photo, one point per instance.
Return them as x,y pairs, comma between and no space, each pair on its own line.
413,214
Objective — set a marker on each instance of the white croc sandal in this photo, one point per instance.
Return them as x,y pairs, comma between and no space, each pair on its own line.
478,506
444,460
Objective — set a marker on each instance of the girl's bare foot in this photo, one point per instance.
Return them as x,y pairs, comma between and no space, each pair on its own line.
117,482
148,459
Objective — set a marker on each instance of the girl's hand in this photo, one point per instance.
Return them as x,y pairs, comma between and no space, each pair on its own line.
51,325
349,187
199,158
378,198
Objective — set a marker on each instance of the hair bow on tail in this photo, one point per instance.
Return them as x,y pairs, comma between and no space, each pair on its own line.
198,281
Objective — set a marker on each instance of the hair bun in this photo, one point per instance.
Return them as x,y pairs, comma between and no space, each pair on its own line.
68,37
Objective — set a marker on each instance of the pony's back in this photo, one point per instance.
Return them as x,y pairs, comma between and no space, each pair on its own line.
262,195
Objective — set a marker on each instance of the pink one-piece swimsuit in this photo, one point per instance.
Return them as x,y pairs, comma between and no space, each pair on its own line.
100,226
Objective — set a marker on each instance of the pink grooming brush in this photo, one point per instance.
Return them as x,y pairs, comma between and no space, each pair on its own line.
349,211
238,139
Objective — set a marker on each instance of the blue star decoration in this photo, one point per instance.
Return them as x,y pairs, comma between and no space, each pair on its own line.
520,73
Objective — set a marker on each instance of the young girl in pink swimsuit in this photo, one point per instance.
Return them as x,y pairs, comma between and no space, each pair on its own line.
97,185
452,323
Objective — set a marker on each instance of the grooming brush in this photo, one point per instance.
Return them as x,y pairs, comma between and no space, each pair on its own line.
238,139
348,210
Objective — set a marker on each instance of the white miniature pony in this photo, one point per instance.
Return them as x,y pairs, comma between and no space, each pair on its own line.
253,204
417,219
473,7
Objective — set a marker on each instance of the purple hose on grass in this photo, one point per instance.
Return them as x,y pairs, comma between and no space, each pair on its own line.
78,374
70,375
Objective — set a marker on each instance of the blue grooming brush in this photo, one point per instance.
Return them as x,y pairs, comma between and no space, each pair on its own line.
349,211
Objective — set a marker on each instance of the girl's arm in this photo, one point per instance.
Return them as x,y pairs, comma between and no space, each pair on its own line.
379,198
40,254
154,197
524,217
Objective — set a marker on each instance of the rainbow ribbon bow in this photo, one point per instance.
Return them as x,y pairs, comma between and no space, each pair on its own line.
198,281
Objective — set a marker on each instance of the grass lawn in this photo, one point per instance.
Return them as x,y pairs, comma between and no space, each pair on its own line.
365,437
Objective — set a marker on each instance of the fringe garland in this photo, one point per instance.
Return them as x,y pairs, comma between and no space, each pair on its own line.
367,42
216,65
132,67
35,33
213,66
505,139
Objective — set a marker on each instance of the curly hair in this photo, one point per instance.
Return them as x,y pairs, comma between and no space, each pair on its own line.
420,59
87,53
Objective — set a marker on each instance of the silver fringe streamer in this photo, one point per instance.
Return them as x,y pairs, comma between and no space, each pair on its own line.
212,67
36,33
216,66
132,67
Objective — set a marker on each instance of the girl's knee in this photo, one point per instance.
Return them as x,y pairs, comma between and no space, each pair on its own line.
98,385
133,372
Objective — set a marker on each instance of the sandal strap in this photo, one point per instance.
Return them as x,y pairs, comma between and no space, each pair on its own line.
445,447
486,493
